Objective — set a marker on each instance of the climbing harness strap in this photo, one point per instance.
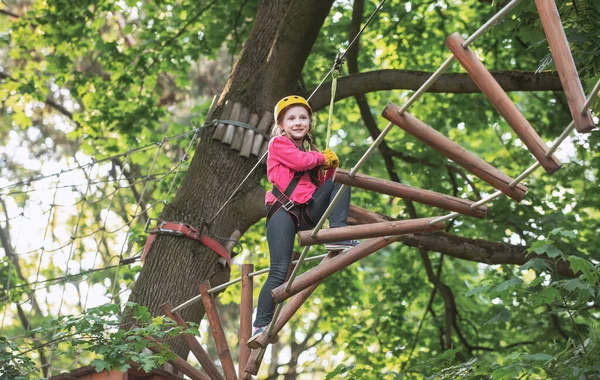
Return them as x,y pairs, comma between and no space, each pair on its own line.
283,199
182,229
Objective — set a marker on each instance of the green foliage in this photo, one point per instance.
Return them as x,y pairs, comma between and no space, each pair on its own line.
101,333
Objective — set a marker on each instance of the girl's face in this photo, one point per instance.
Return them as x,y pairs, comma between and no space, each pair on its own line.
295,122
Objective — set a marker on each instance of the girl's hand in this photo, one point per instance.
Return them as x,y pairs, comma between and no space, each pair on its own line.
331,159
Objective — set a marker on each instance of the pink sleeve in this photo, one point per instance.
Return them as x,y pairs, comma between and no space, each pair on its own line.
285,152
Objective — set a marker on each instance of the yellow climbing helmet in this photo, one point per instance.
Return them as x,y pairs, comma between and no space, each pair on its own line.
288,101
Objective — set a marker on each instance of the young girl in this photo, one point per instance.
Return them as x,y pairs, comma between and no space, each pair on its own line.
301,193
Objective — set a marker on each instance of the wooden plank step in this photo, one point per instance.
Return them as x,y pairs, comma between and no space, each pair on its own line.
415,194
395,227
221,128
245,317
498,97
194,346
563,60
217,329
320,272
455,152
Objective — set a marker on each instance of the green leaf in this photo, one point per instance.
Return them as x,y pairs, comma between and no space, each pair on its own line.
546,296
100,365
537,264
503,316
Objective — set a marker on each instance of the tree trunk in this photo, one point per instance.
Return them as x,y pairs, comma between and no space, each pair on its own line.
268,68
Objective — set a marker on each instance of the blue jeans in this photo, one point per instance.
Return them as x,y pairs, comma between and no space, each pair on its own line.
281,233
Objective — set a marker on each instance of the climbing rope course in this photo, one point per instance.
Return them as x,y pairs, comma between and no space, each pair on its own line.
109,211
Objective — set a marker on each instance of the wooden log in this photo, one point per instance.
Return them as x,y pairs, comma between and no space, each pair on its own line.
248,140
230,129
395,189
289,309
178,362
238,132
263,126
563,60
194,346
455,152
221,128
217,329
254,362
498,97
245,317
320,272
397,227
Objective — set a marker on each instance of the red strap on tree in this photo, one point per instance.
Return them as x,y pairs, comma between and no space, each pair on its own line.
181,229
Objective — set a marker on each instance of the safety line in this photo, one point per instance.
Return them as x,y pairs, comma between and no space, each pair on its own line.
94,161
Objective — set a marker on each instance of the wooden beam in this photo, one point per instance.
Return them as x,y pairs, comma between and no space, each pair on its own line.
245,317
498,97
178,362
455,152
563,60
397,227
415,194
217,329
194,346
320,272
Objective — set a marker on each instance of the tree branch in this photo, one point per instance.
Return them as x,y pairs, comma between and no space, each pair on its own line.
477,250
379,80
9,13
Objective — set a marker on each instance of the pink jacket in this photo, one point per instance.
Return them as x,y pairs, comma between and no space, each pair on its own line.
285,158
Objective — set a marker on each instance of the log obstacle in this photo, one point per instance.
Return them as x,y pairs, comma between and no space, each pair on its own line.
245,317
563,60
498,97
194,346
415,194
178,362
336,264
248,137
217,329
455,152
396,227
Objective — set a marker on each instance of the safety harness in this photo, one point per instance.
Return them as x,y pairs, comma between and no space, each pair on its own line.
282,200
